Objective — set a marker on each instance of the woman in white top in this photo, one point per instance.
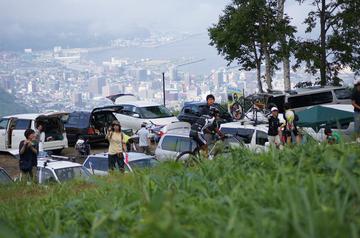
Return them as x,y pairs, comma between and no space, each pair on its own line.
117,146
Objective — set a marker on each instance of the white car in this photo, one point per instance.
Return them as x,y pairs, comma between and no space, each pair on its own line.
254,137
173,143
12,130
53,170
132,113
98,164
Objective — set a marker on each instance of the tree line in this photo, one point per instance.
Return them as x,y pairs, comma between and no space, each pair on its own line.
253,33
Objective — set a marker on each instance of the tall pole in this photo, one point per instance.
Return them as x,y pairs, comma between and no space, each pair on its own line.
163,74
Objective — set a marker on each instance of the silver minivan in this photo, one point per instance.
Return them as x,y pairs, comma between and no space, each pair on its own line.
300,99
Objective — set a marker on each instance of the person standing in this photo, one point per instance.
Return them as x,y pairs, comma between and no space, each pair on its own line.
274,128
28,150
40,136
144,141
117,146
290,128
355,100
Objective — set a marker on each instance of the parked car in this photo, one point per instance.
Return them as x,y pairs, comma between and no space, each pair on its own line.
4,177
192,111
133,114
98,164
253,137
302,98
91,125
59,171
173,143
12,130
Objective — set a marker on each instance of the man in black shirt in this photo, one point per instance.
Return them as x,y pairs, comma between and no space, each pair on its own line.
210,101
28,150
274,125
355,99
205,124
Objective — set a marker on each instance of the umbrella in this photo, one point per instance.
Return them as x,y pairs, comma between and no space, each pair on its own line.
317,116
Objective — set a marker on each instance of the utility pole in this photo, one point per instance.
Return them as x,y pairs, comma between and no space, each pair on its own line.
163,78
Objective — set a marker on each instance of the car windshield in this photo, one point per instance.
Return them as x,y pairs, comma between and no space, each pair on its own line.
69,173
343,93
4,178
143,163
242,134
153,112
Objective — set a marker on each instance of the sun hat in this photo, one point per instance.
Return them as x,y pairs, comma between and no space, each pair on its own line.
115,122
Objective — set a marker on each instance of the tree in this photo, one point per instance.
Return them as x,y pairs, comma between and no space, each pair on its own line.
338,45
248,33
285,46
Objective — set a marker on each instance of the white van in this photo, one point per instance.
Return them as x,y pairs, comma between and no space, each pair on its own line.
12,130
301,99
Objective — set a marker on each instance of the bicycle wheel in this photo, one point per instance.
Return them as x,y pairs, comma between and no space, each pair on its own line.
188,158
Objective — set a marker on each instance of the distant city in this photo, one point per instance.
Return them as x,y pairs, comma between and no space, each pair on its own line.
69,79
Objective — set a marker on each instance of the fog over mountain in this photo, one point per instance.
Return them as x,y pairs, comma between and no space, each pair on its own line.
41,24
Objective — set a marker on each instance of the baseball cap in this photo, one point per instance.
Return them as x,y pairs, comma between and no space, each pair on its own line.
274,109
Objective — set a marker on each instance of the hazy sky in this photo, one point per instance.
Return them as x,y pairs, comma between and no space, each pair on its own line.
111,15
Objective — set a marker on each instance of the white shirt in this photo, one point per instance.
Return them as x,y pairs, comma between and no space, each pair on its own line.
143,134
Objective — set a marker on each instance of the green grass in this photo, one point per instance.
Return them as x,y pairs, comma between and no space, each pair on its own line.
307,191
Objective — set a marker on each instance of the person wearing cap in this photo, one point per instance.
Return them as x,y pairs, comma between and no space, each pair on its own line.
274,125
144,141
355,99
117,146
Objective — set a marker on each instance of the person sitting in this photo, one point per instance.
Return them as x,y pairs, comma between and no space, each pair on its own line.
205,124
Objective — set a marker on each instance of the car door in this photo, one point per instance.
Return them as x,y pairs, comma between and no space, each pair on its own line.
167,148
129,117
17,134
261,139
4,133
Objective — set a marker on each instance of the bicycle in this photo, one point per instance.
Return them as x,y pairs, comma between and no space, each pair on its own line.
194,157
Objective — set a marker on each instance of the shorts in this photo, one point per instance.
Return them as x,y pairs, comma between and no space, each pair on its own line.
274,140
287,133
198,138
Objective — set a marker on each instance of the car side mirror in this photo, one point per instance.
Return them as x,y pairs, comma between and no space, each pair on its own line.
267,144
136,115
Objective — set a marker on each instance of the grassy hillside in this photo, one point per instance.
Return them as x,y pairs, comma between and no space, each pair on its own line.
310,191
8,105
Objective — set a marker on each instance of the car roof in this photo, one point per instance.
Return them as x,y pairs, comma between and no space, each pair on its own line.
196,103
245,126
56,164
178,133
33,116
140,103
133,156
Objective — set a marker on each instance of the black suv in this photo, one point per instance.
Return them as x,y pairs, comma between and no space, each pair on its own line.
192,111
92,125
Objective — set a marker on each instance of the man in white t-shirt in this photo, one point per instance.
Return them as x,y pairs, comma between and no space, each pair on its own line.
144,141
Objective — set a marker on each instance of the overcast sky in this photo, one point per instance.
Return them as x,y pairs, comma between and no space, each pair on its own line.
107,15
34,20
